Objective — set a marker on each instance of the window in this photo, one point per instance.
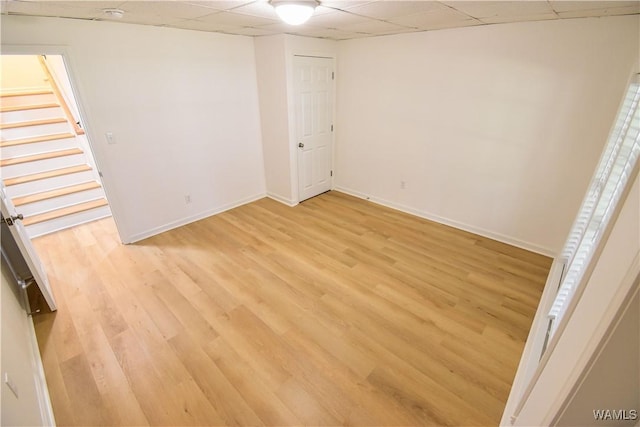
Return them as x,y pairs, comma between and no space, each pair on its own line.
607,187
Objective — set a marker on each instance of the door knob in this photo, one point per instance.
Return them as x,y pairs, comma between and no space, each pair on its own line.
12,219
301,145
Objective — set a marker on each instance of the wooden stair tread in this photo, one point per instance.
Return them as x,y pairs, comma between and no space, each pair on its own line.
69,210
44,175
63,191
14,125
10,108
42,138
43,91
41,156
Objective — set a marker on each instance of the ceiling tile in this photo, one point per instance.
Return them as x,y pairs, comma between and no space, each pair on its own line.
87,4
327,33
172,9
572,6
437,19
501,9
343,5
194,24
371,26
502,19
220,4
259,8
321,10
143,19
385,10
52,9
253,31
336,19
237,19
629,10
400,30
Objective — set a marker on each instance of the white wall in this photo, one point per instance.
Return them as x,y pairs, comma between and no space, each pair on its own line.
272,86
59,71
274,63
495,129
182,106
21,73
17,359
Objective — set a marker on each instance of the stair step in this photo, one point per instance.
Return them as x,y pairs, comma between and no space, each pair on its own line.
13,138
69,210
9,108
71,199
41,156
27,92
36,197
67,221
51,183
32,123
44,175
43,138
30,115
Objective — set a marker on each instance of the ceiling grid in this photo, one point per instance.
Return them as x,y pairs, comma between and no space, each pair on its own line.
333,19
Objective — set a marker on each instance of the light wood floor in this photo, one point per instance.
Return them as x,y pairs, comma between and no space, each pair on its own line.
335,312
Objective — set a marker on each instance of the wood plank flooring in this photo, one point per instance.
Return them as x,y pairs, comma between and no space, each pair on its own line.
335,312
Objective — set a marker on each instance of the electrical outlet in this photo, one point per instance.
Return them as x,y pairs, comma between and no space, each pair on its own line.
187,198
110,138
403,185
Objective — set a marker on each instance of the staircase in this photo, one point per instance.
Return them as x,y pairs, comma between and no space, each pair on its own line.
45,162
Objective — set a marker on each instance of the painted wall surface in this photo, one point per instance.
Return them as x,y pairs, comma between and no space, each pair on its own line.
21,72
59,72
182,106
271,70
495,129
17,359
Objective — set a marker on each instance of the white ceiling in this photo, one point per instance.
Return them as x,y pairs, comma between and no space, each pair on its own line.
333,19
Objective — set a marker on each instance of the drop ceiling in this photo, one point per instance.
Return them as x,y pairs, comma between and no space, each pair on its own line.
336,20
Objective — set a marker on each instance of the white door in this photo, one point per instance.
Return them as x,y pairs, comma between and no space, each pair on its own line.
313,89
25,247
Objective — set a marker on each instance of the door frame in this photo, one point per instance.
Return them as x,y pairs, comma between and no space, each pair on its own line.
85,116
293,132
297,137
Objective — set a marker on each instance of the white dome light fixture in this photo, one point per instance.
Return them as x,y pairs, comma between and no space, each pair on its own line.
294,12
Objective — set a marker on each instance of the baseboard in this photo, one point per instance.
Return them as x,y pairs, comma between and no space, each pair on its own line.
283,200
452,223
184,221
351,192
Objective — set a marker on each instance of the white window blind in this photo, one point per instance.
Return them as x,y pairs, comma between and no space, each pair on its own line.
607,185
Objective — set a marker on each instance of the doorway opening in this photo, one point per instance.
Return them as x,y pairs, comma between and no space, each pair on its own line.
48,171
313,89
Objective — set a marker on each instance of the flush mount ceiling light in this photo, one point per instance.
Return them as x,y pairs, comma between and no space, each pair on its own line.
113,13
294,12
